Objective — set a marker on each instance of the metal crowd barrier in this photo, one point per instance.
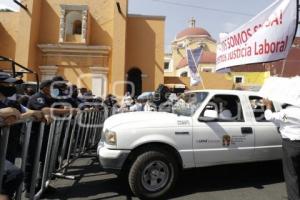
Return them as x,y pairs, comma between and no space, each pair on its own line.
69,138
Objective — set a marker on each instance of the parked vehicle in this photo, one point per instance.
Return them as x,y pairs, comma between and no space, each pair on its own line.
209,127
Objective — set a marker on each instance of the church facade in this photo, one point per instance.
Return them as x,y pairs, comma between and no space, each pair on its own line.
95,44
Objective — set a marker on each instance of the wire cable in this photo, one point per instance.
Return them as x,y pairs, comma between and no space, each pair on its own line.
204,8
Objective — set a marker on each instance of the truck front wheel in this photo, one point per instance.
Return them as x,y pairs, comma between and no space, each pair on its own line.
153,174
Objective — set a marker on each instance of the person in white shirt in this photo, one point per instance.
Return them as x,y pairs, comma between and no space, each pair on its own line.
221,105
127,102
138,106
288,120
149,106
225,115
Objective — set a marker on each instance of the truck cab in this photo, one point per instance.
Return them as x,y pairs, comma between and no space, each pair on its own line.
206,128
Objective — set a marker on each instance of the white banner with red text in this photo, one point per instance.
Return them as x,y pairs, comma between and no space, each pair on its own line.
266,37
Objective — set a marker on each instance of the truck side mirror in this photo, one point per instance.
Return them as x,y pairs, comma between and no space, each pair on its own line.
209,115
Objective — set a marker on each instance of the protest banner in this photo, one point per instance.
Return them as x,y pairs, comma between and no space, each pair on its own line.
266,37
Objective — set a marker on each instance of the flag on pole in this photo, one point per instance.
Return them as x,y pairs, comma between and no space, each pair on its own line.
193,57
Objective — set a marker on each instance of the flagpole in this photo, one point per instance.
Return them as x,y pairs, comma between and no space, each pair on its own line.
283,66
197,66
202,82
195,63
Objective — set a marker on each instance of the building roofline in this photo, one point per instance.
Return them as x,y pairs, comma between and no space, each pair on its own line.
147,16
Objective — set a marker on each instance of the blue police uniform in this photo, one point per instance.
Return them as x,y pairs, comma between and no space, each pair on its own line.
13,176
13,147
37,101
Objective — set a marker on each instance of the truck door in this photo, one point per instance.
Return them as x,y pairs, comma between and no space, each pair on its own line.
228,138
267,136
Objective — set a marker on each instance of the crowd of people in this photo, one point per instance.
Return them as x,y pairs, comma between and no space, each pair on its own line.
55,97
160,100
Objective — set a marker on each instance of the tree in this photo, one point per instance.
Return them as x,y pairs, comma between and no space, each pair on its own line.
5,10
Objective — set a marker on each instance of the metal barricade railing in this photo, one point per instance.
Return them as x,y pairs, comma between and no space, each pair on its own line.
24,155
68,139
3,147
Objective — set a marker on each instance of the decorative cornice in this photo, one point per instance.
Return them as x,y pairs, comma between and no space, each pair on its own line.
48,68
74,49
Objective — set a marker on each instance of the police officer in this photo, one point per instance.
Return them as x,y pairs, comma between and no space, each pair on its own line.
73,99
110,103
43,100
38,101
23,99
13,176
289,121
8,90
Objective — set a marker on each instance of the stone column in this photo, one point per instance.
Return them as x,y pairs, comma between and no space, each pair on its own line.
99,80
48,72
62,25
84,26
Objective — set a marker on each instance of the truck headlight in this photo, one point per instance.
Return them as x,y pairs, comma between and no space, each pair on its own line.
110,137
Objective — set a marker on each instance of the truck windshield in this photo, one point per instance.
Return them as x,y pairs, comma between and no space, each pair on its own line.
189,103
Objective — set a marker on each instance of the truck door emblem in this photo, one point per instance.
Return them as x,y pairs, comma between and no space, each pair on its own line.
226,140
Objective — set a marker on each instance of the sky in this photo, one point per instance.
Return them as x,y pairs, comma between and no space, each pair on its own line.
215,16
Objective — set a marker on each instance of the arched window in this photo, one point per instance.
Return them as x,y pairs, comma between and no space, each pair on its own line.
184,74
77,27
73,23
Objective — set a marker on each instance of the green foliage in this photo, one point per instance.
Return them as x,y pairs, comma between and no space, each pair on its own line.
5,10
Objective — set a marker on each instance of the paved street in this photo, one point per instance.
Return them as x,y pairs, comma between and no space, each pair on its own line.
258,181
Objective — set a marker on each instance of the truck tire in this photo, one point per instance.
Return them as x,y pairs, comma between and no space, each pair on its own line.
153,174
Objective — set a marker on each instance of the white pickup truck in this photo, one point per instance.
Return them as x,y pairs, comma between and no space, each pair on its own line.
213,127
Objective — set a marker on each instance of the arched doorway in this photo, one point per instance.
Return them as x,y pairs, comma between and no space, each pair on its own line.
135,78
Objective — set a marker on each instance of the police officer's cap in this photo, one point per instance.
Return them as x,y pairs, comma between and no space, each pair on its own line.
58,78
6,78
59,82
46,83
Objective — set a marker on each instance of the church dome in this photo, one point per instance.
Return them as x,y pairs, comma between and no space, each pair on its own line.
193,31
